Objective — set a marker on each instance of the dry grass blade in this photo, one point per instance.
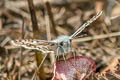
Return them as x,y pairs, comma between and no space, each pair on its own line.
102,42
36,35
95,37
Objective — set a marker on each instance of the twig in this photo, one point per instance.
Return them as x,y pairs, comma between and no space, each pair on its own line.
50,23
50,16
33,17
104,26
5,41
21,50
16,10
21,3
2,4
47,21
0,20
109,7
95,37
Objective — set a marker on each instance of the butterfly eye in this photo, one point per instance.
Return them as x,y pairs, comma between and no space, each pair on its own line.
70,40
61,43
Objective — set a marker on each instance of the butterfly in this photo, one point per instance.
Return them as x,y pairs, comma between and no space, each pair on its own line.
61,43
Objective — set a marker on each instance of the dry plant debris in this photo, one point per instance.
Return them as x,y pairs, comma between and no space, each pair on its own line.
112,72
101,44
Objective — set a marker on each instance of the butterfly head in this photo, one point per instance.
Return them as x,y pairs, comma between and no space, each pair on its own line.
64,42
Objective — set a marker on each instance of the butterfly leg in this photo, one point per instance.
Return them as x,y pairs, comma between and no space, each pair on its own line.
72,51
70,48
57,55
63,52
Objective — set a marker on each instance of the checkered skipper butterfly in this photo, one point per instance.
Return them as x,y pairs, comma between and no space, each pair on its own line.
62,43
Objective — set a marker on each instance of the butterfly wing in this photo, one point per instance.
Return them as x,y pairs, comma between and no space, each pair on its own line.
85,25
41,45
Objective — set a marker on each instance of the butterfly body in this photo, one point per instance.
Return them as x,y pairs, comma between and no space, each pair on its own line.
60,39
62,43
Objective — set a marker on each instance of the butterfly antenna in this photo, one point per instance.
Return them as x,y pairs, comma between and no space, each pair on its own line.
85,25
83,35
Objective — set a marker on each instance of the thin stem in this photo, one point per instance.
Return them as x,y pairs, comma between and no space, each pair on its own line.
36,35
21,49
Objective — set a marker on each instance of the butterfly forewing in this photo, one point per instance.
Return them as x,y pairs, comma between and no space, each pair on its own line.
85,25
41,45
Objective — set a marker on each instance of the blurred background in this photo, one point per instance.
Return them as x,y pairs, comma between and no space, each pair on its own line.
65,17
